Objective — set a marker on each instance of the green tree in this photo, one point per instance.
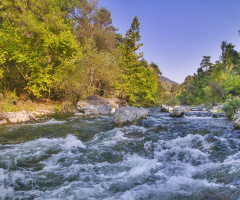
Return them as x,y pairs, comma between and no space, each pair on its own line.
137,84
36,37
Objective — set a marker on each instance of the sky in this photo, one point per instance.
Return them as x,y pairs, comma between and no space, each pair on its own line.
177,33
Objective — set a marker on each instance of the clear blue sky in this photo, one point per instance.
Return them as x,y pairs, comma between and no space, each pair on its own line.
177,33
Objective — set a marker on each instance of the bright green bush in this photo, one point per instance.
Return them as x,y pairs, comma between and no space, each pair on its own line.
231,106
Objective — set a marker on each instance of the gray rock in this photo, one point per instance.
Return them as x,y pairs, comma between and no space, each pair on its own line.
22,116
236,120
165,108
95,106
129,115
16,117
177,112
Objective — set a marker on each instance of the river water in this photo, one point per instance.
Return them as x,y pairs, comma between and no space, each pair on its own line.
194,157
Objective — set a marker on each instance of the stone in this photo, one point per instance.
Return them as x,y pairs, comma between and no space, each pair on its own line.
3,121
236,120
16,117
22,116
177,112
78,114
95,106
165,108
129,115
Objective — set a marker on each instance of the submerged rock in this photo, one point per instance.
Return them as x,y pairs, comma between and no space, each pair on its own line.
236,120
129,115
95,106
177,112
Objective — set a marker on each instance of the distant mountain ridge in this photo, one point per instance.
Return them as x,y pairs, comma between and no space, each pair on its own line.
164,79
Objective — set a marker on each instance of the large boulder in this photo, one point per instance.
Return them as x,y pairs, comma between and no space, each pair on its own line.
95,106
165,108
129,115
177,112
236,120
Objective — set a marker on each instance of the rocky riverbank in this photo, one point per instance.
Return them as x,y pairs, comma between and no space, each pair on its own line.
23,116
236,120
94,106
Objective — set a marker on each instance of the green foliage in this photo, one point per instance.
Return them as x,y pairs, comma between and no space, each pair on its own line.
231,106
67,50
214,82
173,102
36,39
232,83
57,108
137,84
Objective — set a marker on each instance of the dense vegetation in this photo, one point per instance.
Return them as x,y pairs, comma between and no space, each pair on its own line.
213,83
68,50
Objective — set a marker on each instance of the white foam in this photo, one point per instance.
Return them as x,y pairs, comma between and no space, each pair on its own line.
72,141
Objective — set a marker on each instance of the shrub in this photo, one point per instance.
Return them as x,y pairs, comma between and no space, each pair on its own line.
231,106
173,102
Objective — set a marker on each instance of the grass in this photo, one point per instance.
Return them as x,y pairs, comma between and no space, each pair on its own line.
7,105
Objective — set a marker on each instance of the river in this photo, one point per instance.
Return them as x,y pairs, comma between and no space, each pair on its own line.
191,158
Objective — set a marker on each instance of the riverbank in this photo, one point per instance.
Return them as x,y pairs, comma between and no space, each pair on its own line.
94,106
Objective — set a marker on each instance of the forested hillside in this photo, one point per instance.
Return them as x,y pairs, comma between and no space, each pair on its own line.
68,50
213,83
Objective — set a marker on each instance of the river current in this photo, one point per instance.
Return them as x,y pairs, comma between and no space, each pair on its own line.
191,158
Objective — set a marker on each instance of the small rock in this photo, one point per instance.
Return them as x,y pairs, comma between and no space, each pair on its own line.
78,114
177,112
129,115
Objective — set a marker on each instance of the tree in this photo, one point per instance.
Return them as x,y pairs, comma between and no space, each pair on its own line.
36,37
155,67
96,24
137,84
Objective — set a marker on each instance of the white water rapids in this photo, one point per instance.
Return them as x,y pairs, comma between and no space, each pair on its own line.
195,157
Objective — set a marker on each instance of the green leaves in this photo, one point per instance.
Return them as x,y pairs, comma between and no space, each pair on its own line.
138,82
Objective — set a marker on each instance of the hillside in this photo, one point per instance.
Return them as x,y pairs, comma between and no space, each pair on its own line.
164,79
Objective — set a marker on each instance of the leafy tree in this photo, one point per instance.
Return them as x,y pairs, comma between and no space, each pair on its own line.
96,24
36,37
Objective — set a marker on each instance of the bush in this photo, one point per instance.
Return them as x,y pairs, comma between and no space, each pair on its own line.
231,106
173,102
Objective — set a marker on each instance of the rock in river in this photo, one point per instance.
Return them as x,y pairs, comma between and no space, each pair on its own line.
129,115
236,120
165,108
177,112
